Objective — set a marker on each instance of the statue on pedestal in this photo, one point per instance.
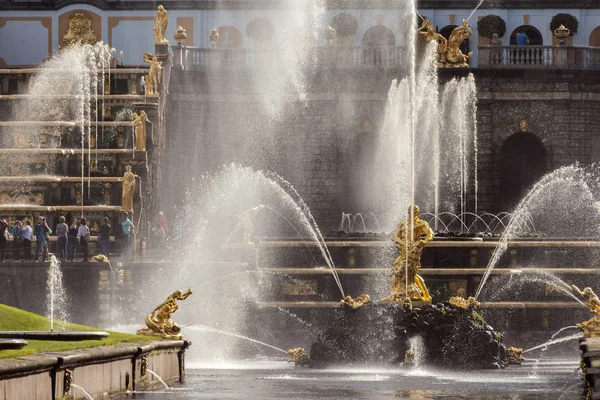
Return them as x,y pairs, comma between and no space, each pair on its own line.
160,26
128,183
591,327
139,128
154,75
159,320
410,236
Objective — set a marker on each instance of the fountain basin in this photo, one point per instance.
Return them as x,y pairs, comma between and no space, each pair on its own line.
73,336
12,344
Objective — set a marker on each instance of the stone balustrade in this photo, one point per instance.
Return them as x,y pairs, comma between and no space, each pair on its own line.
539,57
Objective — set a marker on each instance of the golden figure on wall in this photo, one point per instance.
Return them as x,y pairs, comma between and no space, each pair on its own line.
128,184
80,31
160,26
410,236
591,327
159,321
453,54
427,30
154,75
139,128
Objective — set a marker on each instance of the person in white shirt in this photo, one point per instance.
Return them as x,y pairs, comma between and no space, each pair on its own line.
27,235
83,236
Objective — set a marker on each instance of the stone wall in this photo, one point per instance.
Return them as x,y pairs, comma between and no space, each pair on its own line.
320,145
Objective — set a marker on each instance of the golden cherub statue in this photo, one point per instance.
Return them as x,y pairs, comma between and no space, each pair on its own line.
159,321
410,236
154,75
461,302
139,128
454,55
160,26
514,355
591,327
298,356
349,302
427,30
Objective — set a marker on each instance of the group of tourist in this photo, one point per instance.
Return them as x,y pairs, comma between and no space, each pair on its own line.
68,238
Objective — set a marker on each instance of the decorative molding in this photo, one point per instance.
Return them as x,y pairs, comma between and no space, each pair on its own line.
114,21
452,19
525,19
45,21
65,18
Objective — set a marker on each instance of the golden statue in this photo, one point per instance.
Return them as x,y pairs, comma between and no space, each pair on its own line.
154,75
514,355
80,31
461,302
139,128
427,30
410,247
160,26
348,301
298,356
591,327
128,184
159,320
454,56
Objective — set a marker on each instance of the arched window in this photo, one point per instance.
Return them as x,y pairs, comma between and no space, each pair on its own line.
523,162
230,38
595,37
535,37
379,36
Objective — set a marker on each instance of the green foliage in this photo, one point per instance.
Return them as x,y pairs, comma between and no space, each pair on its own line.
490,24
260,29
13,319
345,25
568,20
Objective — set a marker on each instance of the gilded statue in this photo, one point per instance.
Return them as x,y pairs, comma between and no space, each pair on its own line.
349,302
245,226
454,55
139,128
591,327
410,236
128,184
80,31
160,26
461,302
514,355
159,320
298,356
154,75
427,30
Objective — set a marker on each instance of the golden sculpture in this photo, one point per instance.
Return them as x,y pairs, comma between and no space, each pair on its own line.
454,56
461,302
562,33
524,125
128,184
591,327
355,303
410,358
214,37
298,356
139,128
427,30
160,26
514,355
410,247
154,75
80,31
159,320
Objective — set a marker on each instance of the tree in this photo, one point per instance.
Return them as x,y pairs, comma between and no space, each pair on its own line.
568,20
490,24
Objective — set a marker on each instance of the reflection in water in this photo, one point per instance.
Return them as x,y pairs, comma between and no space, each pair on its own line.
268,379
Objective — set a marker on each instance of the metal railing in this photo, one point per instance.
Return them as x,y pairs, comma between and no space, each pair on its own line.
536,57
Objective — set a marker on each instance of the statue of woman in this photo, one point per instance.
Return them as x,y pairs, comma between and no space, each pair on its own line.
139,128
160,25
128,183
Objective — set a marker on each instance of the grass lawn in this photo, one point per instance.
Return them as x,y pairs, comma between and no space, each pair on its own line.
14,319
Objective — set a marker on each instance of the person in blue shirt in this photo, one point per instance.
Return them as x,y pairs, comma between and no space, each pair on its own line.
17,239
42,231
522,39
127,229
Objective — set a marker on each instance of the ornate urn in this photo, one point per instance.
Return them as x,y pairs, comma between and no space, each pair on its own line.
180,35
214,37
562,33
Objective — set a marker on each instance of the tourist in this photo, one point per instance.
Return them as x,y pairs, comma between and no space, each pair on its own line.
83,236
62,233
17,239
72,240
127,229
3,238
42,231
161,220
522,39
27,235
104,236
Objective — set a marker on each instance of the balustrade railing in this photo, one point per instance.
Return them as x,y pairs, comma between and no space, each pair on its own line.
539,57
194,58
